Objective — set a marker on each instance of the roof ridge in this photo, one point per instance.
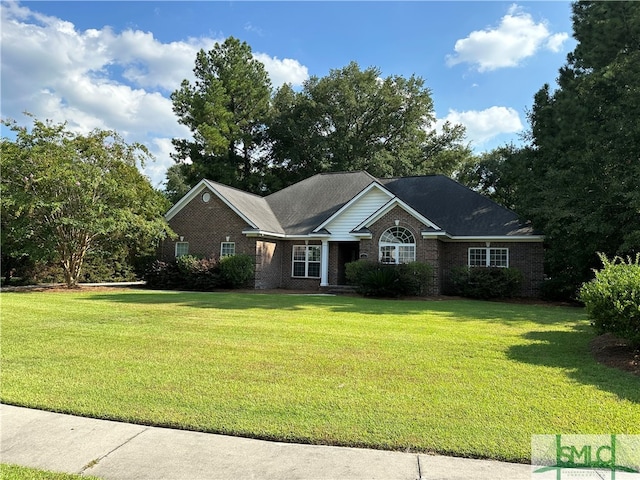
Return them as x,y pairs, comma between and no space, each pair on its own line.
343,172
252,197
520,218
415,176
214,183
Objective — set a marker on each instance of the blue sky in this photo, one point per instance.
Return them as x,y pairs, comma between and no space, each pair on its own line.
114,64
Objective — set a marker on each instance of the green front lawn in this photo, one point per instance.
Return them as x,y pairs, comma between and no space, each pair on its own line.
455,377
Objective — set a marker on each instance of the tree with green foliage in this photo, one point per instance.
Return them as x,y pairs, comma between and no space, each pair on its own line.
354,119
177,184
582,172
226,110
64,195
578,178
493,174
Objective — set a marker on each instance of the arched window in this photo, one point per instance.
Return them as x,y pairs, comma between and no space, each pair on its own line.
397,245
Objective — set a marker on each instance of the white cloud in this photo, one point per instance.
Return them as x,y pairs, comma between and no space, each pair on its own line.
161,149
484,125
283,71
555,41
150,63
516,38
98,78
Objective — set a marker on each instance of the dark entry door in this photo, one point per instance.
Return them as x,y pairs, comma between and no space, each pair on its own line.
347,252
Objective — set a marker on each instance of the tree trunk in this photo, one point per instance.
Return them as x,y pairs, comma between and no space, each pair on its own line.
247,164
72,260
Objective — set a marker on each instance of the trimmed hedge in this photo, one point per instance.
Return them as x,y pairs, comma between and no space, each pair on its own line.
612,298
381,280
203,274
485,282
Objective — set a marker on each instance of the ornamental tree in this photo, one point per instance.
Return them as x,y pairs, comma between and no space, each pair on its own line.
65,194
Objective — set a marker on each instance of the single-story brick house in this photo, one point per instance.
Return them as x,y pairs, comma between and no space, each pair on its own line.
303,235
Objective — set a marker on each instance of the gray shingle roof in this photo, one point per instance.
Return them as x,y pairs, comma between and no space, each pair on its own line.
302,207
455,208
253,207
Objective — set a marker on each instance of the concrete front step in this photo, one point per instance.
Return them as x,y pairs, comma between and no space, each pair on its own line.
338,289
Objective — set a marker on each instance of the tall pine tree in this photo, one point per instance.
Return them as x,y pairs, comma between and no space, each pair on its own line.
581,178
225,110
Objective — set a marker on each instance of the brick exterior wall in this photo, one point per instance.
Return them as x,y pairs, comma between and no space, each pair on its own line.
427,250
288,281
205,225
333,263
268,264
528,257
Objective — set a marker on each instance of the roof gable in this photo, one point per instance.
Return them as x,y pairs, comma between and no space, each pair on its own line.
362,206
304,206
397,202
251,208
198,189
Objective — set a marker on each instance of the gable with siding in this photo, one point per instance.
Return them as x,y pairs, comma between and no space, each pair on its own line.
343,222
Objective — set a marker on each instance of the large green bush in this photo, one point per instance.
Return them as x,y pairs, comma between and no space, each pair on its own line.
380,280
186,273
612,298
417,277
192,273
162,275
485,282
237,271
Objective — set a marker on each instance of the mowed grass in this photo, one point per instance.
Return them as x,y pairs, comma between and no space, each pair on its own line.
455,377
16,472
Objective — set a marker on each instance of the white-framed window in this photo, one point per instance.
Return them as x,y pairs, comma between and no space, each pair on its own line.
182,248
306,261
227,249
489,257
397,245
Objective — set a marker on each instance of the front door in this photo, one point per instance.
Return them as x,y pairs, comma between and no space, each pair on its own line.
347,252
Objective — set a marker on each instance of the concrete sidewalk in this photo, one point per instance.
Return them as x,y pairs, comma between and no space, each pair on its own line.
113,450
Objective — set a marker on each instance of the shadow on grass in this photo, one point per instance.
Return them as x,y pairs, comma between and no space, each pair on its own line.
569,350
460,309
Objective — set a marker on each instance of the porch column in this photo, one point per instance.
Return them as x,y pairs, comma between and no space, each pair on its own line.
324,264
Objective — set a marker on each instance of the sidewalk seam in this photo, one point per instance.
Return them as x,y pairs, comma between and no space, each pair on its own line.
95,461
419,467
